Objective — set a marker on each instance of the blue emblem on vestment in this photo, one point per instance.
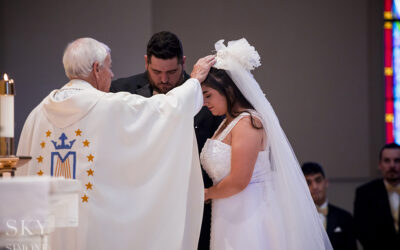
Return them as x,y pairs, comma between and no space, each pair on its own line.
63,166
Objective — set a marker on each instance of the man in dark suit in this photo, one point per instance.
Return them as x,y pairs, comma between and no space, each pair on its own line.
164,63
337,222
376,206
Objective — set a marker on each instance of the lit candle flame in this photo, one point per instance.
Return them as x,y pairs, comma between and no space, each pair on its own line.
5,77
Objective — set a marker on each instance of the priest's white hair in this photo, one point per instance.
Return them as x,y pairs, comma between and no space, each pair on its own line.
81,54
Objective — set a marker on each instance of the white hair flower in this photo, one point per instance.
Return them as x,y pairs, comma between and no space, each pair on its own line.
239,51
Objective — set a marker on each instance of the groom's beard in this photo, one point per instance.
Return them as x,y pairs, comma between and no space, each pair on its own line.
168,86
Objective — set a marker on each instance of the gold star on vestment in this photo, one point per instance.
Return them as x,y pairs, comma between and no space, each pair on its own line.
48,133
39,159
42,144
40,173
90,172
89,186
86,143
78,132
85,198
90,157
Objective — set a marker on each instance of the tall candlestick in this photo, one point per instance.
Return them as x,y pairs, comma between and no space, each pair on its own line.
6,116
8,161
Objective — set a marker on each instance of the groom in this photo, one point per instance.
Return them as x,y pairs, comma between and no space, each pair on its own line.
138,191
165,70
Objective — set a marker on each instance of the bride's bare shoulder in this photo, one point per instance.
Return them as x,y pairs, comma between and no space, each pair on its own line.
249,124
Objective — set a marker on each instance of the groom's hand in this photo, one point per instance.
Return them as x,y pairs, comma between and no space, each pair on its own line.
202,67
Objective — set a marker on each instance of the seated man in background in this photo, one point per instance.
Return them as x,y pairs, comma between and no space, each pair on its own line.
337,222
376,205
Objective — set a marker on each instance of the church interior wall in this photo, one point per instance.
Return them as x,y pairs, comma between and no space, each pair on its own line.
320,63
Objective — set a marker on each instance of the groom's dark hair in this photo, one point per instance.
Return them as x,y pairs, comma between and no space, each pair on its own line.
165,45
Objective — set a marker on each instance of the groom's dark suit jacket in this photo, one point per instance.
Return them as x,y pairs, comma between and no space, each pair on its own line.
373,218
205,125
340,229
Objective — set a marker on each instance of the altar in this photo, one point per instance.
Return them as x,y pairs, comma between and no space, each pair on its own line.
32,208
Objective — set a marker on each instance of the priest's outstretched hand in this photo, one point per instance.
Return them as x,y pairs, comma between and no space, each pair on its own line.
202,67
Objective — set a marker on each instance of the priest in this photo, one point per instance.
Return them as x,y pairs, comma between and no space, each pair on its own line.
139,190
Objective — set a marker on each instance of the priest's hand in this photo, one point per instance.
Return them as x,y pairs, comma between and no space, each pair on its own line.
202,67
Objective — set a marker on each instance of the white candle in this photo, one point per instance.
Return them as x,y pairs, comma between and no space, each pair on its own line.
7,116
6,112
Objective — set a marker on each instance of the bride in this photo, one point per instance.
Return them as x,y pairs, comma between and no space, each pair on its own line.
260,199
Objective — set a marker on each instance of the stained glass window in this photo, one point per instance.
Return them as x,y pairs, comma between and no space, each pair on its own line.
392,69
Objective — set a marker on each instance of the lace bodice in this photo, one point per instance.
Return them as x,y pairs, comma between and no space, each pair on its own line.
216,156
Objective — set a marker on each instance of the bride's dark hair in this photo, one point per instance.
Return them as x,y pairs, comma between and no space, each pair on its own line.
219,80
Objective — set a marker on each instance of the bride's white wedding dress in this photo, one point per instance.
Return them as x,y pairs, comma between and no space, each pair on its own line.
247,220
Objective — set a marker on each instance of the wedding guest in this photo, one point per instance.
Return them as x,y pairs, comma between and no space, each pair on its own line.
338,223
376,205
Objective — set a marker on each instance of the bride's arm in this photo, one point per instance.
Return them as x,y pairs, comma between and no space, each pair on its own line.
247,141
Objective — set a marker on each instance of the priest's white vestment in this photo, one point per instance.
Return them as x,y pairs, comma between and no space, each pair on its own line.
136,159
